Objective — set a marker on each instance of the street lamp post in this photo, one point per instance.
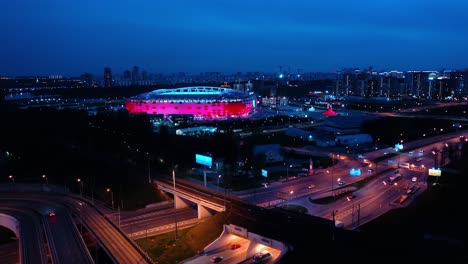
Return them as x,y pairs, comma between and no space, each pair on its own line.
434,154
174,184
45,178
112,196
79,181
219,177
12,178
149,169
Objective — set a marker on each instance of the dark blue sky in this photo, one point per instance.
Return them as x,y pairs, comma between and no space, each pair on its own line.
71,37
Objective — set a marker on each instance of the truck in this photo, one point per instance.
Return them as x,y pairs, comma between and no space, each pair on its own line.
394,178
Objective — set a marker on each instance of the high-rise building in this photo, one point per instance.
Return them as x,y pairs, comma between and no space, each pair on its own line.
421,83
347,82
444,88
107,77
461,81
135,74
127,75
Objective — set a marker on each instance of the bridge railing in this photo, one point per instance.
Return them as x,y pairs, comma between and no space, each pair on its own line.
140,250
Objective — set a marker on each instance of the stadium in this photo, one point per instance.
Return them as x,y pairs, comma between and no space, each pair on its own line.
204,103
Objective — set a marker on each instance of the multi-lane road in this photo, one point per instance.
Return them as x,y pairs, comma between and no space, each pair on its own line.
45,238
368,200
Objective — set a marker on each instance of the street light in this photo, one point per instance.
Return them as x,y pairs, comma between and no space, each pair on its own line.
434,154
45,178
112,196
149,168
81,185
219,177
12,178
175,213
328,173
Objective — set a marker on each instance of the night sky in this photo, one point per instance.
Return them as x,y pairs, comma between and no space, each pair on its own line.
71,37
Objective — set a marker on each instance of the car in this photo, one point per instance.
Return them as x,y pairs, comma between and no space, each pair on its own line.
52,214
261,257
217,259
421,151
414,179
341,183
311,186
235,246
406,187
411,152
350,197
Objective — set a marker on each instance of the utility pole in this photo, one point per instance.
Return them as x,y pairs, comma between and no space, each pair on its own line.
118,210
334,224
149,169
175,213
358,216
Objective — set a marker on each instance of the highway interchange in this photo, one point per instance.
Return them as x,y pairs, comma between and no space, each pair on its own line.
370,200
57,238
45,239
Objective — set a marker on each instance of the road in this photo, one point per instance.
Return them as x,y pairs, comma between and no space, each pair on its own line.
373,199
56,239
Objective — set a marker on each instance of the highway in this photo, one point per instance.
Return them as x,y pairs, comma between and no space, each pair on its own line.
370,201
56,239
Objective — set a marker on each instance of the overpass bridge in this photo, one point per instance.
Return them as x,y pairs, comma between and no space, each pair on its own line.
208,201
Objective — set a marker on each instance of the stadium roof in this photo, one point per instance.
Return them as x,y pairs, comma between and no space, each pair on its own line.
195,92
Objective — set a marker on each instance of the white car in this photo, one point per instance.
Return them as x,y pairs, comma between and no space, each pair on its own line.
414,179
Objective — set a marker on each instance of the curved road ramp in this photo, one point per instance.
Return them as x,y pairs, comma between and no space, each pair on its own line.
48,223
237,245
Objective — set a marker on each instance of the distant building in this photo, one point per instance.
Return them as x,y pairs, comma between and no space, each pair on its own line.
107,77
354,139
194,131
135,74
271,151
343,124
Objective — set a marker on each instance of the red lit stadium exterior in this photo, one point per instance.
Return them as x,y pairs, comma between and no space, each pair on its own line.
204,103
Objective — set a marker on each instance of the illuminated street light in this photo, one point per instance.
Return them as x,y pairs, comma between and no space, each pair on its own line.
81,186
219,177
45,178
112,196
12,178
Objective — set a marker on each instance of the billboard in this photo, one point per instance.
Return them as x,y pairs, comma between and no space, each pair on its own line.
355,172
203,160
265,173
435,172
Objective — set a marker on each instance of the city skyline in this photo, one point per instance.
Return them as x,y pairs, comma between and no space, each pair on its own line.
164,37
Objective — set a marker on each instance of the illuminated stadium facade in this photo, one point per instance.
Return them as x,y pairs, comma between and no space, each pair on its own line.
204,103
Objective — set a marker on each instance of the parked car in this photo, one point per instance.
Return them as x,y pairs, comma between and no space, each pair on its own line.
341,183
311,186
414,179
